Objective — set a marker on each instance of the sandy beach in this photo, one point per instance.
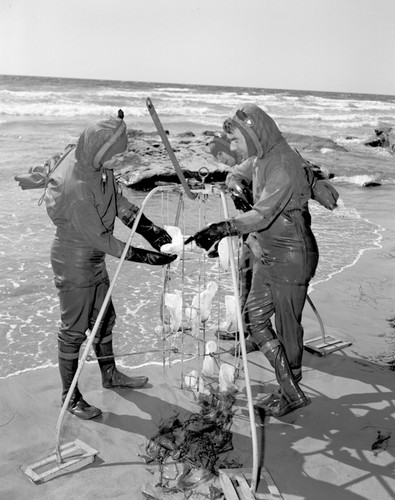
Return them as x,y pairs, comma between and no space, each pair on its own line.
321,451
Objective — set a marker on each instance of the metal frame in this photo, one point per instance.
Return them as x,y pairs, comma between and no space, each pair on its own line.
325,344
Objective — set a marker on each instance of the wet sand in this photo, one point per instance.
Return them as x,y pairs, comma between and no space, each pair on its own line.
321,451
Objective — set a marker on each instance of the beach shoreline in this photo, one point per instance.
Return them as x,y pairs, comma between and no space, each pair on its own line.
358,302
326,450
321,451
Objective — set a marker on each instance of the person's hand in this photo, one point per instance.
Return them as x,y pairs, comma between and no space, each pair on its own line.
148,257
155,235
206,237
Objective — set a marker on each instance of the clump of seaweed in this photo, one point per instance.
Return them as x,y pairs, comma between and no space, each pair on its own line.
190,452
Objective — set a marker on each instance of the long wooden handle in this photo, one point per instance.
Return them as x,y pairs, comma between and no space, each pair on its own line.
254,437
169,149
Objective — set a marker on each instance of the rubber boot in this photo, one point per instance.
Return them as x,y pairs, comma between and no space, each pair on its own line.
274,397
291,396
77,405
111,377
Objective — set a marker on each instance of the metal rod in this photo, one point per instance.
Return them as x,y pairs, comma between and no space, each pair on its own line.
169,149
318,318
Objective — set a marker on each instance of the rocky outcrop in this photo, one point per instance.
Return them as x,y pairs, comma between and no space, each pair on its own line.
312,143
384,138
147,162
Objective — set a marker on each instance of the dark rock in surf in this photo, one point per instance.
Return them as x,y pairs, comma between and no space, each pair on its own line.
371,184
384,138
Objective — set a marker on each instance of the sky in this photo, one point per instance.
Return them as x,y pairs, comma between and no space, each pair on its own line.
324,45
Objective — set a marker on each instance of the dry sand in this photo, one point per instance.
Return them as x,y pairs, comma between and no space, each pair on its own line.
323,451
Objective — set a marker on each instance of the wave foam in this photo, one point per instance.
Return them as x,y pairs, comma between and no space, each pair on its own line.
359,180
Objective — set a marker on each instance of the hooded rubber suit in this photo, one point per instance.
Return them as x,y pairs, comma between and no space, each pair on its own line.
280,237
83,205
284,252
83,200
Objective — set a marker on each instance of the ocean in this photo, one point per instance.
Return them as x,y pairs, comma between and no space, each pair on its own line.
40,116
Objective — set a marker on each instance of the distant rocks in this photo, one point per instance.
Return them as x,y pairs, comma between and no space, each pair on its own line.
384,138
147,162
311,143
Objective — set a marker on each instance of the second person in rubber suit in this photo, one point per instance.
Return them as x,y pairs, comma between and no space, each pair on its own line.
83,200
284,248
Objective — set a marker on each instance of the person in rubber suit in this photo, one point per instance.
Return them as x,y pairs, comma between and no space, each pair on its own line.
285,252
83,200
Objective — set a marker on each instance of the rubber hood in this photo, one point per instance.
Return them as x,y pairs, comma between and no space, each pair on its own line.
258,128
99,140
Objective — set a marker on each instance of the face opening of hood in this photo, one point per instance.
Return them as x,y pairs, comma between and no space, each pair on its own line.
221,143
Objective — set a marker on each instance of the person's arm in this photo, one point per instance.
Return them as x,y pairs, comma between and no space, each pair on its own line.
241,173
86,219
272,201
274,197
155,235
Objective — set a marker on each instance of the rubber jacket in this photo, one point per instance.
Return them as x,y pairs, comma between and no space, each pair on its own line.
83,200
279,223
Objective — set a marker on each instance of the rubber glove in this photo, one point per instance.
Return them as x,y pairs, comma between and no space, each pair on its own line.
240,193
209,235
155,235
240,202
148,257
